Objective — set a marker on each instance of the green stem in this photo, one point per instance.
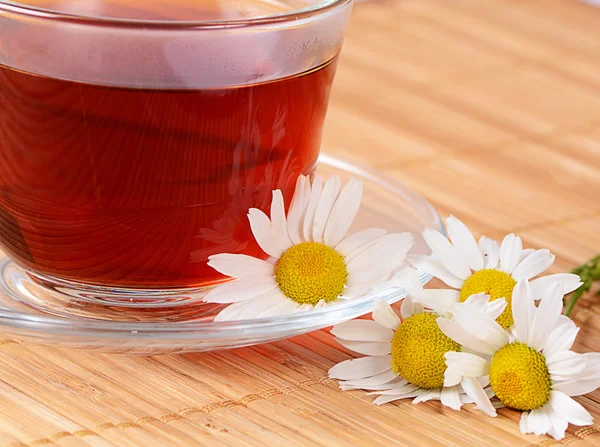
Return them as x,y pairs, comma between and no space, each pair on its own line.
573,300
588,272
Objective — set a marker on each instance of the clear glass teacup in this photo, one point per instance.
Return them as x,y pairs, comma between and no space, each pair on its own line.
135,135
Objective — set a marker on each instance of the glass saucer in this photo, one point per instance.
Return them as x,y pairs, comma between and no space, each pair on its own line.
32,310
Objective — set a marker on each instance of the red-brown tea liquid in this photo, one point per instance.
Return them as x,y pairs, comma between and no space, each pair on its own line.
136,188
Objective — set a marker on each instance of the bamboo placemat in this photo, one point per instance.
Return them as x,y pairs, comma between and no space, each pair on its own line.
489,108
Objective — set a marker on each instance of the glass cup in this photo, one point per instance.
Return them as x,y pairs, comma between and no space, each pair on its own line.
135,135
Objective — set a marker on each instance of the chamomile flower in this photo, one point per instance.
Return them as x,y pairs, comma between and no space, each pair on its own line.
312,262
405,357
486,267
532,369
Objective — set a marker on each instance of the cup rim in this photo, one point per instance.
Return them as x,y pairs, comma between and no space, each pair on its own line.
14,7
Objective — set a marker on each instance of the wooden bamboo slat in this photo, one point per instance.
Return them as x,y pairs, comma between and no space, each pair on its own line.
489,109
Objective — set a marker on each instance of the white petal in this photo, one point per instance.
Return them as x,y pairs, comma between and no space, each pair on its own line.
510,253
490,249
409,279
577,387
554,293
263,305
361,368
367,347
478,322
357,240
526,252
464,242
466,364
523,426
429,264
487,390
592,364
452,377
484,381
407,308
561,339
389,251
304,307
241,290
249,309
371,383
546,317
384,315
377,263
329,195
478,300
539,421
295,218
569,409
384,386
398,388
240,266
370,275
439,300
566,365
426,395
450,397
523,310
284,307
386,399
558,424
361,249
449,256
263,233
399,392
279,221
343,212
362,330
475,391
569,281
493,309
311,207
321,303
537,262
481,302
233,311
461,336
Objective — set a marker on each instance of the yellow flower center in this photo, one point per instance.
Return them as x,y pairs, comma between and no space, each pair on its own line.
519,376
310,272
418,349
496,284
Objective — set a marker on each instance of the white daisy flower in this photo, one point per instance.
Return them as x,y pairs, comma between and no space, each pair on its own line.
535,371
486,267
312,261
405,358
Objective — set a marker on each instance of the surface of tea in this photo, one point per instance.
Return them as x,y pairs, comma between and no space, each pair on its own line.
135,187
170,9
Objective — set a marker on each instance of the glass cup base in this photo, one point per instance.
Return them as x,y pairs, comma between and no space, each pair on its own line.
67,299
48,310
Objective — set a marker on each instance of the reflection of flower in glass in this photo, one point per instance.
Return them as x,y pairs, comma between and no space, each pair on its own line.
253,177
533,369
312,262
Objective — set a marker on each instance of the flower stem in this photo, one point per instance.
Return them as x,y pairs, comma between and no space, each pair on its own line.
588,272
